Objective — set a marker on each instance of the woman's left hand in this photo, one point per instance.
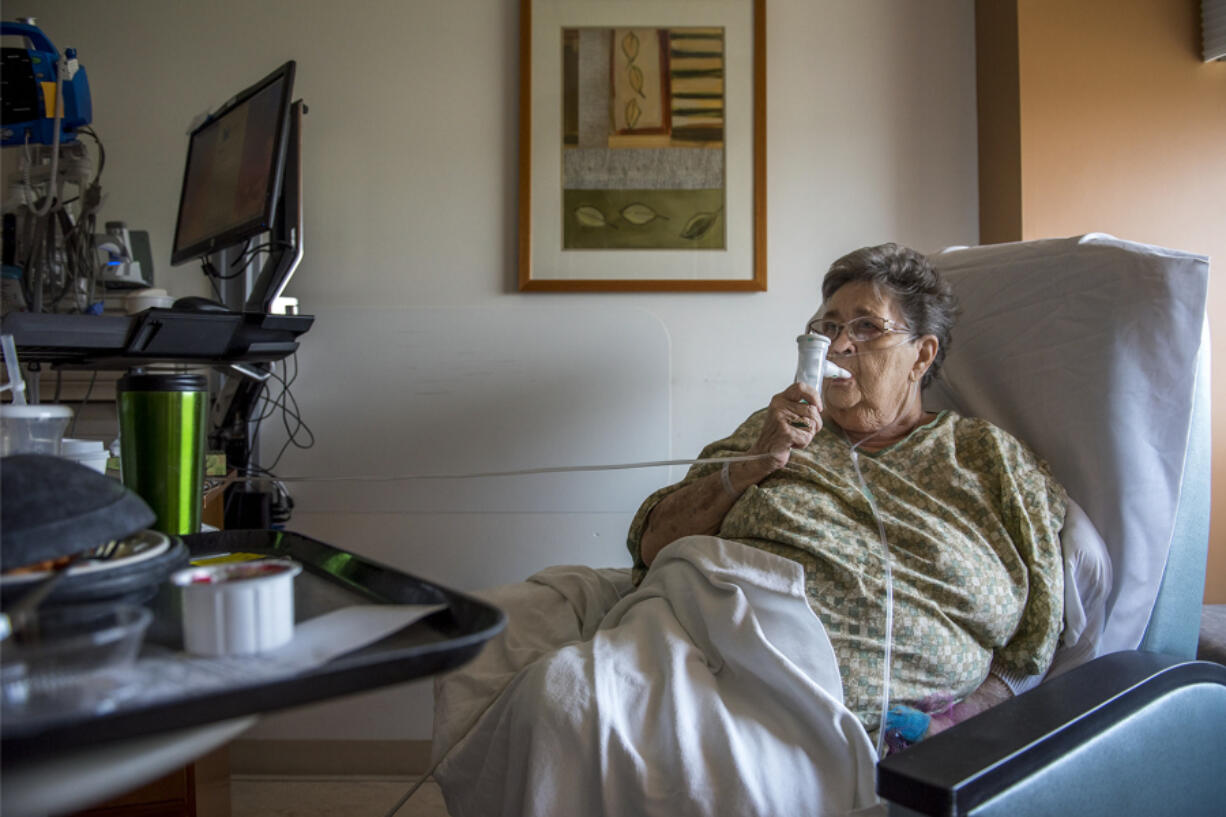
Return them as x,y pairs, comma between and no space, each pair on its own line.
992,692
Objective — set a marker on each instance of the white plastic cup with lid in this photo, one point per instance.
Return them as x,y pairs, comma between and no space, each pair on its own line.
33,429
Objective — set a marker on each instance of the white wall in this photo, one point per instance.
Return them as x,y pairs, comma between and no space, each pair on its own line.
411,173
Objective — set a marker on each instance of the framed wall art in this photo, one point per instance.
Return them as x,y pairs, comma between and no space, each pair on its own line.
642,153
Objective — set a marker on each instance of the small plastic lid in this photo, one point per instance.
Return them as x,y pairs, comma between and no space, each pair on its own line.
49,411
810,337
218,575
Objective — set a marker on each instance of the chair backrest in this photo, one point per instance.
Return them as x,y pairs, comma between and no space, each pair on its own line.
1094,351
1174,626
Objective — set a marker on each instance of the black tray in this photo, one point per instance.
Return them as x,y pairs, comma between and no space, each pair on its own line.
331,578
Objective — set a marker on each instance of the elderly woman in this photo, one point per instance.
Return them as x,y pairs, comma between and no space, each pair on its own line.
713,688
970,516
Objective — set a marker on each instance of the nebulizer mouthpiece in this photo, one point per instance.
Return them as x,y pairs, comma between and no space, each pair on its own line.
812,366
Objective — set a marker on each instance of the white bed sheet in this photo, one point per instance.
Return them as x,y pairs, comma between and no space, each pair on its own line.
710,690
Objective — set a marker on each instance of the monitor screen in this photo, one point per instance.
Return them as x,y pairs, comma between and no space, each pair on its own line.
234,166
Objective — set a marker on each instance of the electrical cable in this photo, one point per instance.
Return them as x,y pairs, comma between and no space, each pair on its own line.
88,131
267,246
267,403
212,282
291,416
211,272
59,257
241,253
89,390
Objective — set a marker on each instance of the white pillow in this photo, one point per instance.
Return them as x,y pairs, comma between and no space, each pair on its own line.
1087,583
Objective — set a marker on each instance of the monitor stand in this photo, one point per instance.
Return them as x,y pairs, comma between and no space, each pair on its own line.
237,389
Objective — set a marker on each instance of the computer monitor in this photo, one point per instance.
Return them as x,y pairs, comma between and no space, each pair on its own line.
235,167
285,237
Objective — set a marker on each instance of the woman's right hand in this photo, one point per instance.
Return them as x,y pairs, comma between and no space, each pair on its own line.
793,417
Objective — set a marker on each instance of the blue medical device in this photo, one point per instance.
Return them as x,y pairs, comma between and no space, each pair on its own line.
28,97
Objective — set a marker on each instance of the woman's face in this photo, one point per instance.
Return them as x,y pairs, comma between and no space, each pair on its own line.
886,371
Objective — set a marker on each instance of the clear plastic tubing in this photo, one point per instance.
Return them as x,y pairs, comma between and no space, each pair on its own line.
812,367
889,601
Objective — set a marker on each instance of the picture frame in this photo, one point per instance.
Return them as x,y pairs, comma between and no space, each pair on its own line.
642,146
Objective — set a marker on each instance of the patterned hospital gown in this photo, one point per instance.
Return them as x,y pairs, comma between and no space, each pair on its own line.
972,518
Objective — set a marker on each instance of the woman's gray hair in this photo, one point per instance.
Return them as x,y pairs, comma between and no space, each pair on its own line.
926,300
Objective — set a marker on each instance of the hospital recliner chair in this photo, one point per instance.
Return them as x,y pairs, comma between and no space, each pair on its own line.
1095,351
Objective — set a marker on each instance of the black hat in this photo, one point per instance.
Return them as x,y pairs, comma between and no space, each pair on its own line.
52,507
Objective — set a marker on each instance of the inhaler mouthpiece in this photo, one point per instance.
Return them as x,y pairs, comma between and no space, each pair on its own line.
812,366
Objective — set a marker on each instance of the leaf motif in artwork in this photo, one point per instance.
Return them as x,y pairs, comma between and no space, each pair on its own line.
639,214
698,225
635,77
589,216
633,112
630,46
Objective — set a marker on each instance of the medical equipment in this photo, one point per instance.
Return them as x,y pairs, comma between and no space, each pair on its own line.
812,366
45,99
121,263
46,106
889,601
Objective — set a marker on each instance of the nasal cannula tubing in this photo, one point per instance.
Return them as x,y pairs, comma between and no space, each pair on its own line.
812,368
889,600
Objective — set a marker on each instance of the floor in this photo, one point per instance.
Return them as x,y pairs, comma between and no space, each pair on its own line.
1212,646
263,796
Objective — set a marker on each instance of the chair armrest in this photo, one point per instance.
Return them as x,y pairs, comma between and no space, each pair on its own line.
963,768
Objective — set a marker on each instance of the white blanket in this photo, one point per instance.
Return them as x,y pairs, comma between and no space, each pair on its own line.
710,690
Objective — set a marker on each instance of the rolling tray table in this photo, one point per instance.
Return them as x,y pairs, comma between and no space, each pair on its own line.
331,579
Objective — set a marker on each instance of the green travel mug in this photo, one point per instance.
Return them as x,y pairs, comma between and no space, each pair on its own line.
161,445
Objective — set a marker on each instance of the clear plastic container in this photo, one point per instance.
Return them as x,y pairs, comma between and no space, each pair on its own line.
33,429
71,658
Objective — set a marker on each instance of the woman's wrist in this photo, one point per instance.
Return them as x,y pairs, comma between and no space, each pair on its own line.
725,479
750,472
736,477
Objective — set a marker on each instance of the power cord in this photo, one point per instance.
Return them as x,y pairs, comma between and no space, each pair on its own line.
298,433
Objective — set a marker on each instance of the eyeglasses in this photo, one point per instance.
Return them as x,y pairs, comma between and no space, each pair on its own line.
861,330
